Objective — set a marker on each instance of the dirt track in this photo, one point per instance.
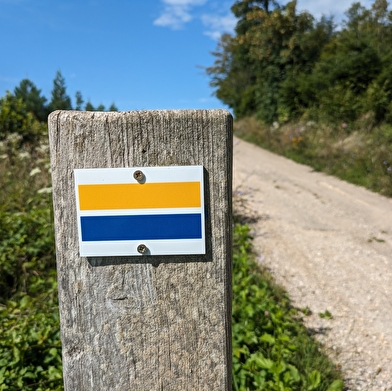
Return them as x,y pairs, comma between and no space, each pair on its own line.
329,243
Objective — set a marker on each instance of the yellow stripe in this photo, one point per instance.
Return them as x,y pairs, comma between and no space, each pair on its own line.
140,196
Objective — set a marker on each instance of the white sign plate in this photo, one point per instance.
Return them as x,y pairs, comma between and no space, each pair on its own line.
157,211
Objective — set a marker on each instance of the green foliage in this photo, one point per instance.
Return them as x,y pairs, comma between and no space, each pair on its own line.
17,125
26,250
271,347
79,100
89,106
60,100
336,90
30,347
379,93
25,111
101,107
326,315
283,44
271,47
32,99
232,77
282,65
241,9
113,107
327,93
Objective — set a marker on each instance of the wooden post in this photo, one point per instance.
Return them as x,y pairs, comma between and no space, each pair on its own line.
144,322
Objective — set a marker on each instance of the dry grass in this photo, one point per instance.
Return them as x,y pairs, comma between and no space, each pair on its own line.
359,152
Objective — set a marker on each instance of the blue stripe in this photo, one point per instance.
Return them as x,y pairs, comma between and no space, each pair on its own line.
141,227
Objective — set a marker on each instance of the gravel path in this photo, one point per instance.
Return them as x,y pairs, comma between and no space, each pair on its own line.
329,244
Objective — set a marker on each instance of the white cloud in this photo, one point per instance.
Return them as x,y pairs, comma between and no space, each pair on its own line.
184,2
329,7
217,24
177,12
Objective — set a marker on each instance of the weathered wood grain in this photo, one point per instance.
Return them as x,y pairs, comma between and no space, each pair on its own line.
144,323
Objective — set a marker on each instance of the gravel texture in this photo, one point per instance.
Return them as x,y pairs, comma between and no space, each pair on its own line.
329,244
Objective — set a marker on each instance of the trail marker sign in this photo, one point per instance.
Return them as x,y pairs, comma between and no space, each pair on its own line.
163,211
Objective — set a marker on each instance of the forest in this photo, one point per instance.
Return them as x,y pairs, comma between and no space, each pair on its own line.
313,90
282,64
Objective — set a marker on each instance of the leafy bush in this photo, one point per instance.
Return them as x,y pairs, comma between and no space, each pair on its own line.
26,228
30,347
16,119
26,250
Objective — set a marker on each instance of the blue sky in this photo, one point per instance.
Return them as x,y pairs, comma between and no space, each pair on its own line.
139,54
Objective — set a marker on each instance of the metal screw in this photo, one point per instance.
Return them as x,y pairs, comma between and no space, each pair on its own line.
138,175
142,249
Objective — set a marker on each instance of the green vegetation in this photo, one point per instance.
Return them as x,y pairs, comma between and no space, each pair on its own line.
272,350
358,156
325,315
283,64
30,348
314,93
25,109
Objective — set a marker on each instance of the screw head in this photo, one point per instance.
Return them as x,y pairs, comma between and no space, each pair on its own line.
142,249
138,175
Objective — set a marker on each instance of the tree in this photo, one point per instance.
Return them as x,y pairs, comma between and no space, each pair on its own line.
60,99
32,99
89,107
255,71
16,122
281,63
79,100
241,9
232,78
352,76
101,107
233,73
